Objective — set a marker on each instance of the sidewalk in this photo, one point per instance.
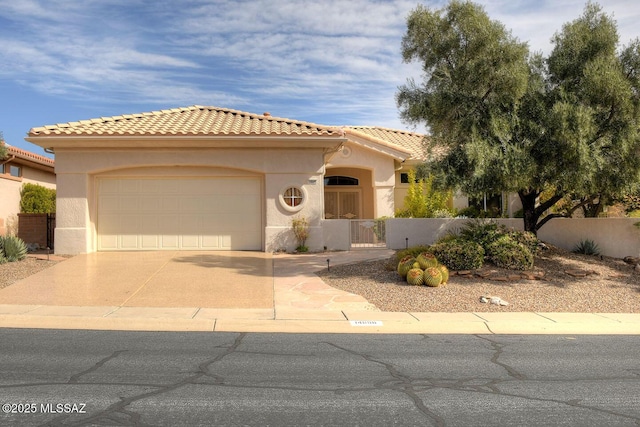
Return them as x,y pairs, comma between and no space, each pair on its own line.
303,303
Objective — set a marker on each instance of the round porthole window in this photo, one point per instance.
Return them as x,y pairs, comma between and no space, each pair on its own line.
292,198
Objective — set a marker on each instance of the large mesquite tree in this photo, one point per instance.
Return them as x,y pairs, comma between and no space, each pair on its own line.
566,125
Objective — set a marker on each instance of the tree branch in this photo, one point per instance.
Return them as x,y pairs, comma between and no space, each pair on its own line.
546,205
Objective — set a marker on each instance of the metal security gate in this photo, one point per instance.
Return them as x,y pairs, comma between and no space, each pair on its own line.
51,228
368,233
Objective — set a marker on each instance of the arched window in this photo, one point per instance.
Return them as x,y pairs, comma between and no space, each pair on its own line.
340,180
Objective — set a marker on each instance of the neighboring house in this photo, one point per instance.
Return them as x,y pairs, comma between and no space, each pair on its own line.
212,178
17,168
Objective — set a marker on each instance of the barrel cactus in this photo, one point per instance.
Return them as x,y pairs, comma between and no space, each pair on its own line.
444,271
427,260
415,277
405,265
432,277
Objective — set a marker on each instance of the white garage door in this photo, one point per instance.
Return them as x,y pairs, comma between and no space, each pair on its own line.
189,213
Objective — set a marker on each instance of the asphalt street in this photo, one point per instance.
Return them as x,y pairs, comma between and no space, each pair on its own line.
75,377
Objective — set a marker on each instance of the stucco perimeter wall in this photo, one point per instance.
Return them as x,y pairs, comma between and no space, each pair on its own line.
616,237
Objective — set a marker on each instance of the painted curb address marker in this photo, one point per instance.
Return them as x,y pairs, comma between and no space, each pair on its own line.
366,323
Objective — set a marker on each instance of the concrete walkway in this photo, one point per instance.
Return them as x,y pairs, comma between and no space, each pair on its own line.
299,301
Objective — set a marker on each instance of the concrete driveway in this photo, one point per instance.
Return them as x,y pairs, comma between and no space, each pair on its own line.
151,279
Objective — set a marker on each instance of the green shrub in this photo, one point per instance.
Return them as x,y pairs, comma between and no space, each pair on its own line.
451,234
458,254
508,253
13,248
2,258
587,247
482,231
35,198
469,212
526,238
423,200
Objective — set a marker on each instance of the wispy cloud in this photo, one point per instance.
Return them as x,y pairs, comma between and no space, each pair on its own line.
331,61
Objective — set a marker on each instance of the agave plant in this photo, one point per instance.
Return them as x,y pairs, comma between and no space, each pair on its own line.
13,248
587,247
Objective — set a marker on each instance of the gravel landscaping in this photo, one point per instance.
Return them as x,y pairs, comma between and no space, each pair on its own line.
567,282
11,272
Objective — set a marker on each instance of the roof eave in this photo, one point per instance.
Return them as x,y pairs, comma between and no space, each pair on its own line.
396,153
186,141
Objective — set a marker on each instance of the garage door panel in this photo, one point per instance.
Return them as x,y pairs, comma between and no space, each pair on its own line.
154,213
131,187
149,241
169,241
190,241
150,205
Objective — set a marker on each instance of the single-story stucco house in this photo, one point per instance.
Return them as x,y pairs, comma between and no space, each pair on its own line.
17,168
211,178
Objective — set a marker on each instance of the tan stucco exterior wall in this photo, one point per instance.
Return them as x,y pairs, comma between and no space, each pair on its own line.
78,171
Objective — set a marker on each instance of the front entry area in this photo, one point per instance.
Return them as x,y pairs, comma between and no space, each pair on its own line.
186,213
348,193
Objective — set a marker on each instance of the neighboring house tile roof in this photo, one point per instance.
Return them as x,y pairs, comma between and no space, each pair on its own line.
410,141
29,156
189,121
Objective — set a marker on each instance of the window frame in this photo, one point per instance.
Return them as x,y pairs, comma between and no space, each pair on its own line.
301,196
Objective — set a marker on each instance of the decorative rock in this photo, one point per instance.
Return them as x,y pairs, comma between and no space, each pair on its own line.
493,300
485,274
576,273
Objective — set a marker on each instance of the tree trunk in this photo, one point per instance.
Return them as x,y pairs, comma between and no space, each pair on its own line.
531,216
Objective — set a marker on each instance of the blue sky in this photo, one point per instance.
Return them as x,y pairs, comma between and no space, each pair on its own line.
334,62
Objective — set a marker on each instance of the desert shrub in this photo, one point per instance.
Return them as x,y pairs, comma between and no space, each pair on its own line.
451,234
301,232
587,247
484,232
2,258
35,198
459,254
508,253
12,248
469,212
413,251
423,200
526,238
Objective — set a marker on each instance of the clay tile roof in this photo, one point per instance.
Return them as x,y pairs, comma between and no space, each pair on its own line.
413,142
27,155
189,121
